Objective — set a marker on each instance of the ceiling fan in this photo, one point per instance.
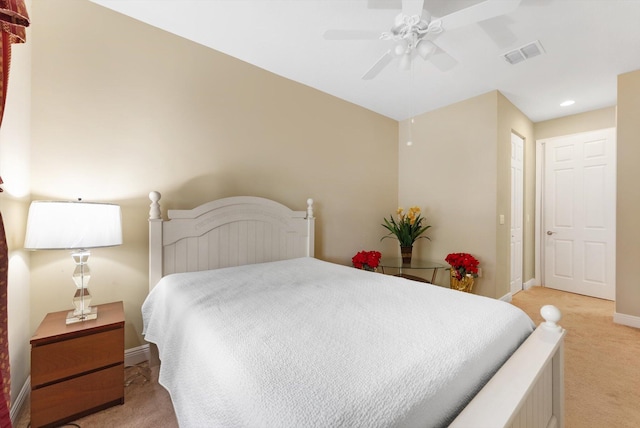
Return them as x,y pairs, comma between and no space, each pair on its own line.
415,30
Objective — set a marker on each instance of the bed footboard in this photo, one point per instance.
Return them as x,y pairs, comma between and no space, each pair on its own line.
528,390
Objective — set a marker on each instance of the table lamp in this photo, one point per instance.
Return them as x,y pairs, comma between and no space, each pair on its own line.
77,226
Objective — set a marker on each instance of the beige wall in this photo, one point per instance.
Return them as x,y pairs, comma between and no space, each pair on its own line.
488,122
511,120
628,200
450,171
14,203
443,172
118,113
576,123
458,171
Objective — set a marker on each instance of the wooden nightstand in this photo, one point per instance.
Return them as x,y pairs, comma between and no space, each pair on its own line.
77,369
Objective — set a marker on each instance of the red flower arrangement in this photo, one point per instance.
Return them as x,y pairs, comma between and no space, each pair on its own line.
463,264
367,260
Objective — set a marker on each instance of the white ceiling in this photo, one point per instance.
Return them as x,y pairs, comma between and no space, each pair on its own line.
588,43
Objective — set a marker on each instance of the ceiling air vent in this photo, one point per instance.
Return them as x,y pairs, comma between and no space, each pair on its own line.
524,52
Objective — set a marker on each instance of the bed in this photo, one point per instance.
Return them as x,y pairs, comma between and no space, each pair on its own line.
253,331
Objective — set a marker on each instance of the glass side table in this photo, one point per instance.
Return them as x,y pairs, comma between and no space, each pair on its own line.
418,264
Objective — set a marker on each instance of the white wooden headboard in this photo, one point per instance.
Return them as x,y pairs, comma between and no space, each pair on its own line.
227,232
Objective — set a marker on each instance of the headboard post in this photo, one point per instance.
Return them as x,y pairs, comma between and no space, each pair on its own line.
154,207
155,240
310,228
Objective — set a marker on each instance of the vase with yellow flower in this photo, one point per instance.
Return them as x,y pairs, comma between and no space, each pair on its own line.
406,228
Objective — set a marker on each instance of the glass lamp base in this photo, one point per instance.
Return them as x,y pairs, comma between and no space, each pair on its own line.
89,315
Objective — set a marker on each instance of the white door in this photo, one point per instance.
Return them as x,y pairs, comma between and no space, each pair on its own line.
517,196
579,213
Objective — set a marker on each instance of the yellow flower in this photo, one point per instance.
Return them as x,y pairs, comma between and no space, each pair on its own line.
407,227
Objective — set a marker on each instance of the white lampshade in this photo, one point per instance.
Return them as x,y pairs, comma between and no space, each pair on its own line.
56,225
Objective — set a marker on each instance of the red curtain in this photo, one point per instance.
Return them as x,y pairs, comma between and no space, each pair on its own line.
13,19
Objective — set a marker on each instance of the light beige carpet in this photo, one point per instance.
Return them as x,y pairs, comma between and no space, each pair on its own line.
602,359
602,371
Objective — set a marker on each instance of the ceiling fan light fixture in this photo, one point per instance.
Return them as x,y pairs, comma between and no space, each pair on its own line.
425,48
416,29
405,61
400,48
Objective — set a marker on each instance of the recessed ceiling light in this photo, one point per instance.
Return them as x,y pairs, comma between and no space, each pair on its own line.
567,103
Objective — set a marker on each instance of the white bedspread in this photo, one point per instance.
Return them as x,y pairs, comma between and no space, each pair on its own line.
306,343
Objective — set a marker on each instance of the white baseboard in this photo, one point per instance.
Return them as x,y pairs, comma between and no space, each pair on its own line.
132,357
136,355
624,319
506,298
531,283
21,399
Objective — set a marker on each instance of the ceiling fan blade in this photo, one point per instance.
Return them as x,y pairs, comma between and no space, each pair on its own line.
442,60
351,35
412,7
499,32
378,66
384,4
479,12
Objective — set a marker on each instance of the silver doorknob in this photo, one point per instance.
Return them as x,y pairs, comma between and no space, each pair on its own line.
550,232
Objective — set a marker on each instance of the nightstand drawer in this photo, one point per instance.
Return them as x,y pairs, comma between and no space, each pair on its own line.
76,397
77,369
59,360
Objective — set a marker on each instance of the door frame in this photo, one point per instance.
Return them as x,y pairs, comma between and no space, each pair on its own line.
519,194
540,253
539,211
